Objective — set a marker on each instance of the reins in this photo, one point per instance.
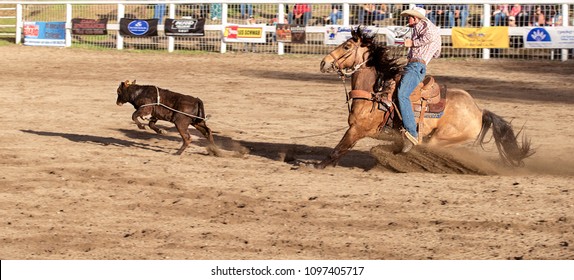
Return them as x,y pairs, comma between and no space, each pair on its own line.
158,103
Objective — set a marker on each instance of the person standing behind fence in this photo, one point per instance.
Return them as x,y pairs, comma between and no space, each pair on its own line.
300,15
246,10
458,12
159,12
369,13
424,45
336,13
500,14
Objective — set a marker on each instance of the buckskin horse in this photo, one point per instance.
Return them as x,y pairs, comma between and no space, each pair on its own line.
446,116
163,104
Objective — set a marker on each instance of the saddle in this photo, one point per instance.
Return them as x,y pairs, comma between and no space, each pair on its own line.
427,99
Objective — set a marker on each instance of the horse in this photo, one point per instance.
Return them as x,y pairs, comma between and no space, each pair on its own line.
375,73
163,104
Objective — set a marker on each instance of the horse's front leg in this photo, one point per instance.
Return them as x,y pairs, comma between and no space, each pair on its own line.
347,142
140,113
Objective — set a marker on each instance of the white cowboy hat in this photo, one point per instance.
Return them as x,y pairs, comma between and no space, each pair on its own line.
417,12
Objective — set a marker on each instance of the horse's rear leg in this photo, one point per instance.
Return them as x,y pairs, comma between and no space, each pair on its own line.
347,142
212,149
185,136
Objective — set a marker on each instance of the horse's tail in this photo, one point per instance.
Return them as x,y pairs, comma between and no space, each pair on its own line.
505,139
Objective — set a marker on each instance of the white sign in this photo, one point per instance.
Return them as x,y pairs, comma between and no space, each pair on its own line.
549,37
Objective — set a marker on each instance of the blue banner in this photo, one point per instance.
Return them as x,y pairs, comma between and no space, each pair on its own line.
39,33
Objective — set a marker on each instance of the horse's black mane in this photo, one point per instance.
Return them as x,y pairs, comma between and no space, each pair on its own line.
381,57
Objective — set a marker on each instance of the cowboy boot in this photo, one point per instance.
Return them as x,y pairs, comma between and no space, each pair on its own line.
409,142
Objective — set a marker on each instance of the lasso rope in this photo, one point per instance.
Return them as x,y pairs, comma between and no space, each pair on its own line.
158,103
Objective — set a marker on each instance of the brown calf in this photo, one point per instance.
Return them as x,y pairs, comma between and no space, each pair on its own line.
166,105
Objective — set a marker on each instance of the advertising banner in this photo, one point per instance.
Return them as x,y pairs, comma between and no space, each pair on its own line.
336,34
138,27
184,27
82,26
480,37
244,33
549,37
283,32
38,33
298,34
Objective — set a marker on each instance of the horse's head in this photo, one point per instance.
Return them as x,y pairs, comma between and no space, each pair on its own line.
123,95
349,54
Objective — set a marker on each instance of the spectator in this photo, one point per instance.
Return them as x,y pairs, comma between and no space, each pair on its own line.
437,14
500,14
159,12
247,47
246,10
300,15
539,17
459,12
215,10
511,21
369,13
336,13
521,15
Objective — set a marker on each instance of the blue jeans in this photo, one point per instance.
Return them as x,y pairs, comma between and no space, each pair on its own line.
159,12
413,74
336,16
500,19
463,18
248,7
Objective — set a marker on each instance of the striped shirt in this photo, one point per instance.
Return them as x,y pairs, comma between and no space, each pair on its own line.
426,41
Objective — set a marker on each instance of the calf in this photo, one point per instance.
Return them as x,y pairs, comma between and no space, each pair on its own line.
166,105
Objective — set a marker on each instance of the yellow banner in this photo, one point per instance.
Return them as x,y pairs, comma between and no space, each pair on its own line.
482,37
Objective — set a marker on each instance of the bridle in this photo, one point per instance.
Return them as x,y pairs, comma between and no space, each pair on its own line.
338,63
343,74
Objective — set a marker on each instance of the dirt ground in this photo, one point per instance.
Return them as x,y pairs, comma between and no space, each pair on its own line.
80,181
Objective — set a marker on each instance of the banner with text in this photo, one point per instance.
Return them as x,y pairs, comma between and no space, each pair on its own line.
184,27
138,27
480,37
337,34
38,33
549,37
82,26
244,33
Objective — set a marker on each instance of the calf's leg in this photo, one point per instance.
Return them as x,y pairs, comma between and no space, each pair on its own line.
212,148
139,113
185,136
152,125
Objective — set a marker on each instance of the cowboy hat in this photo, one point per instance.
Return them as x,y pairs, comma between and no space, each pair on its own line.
417,12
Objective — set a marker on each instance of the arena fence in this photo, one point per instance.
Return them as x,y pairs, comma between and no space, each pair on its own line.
220,14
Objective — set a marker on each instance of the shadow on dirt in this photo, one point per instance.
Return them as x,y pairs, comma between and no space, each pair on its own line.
294,154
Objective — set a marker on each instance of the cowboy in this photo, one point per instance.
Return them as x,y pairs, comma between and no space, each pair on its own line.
424,45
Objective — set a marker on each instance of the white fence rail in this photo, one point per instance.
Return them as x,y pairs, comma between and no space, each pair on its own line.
222,13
